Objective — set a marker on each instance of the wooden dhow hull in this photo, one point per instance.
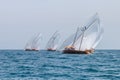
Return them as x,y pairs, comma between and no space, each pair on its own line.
51,50
31,50
77,52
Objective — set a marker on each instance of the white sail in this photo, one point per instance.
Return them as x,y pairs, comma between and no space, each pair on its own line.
53,41
89,36
98,39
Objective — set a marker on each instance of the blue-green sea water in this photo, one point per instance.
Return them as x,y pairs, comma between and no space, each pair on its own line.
45,65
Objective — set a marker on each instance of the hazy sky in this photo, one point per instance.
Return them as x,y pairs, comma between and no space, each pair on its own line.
22,19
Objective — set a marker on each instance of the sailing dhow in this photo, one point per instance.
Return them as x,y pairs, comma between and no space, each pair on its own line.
85,39
34,43
53,42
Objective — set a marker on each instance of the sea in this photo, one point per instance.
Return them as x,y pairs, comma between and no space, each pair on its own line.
48,65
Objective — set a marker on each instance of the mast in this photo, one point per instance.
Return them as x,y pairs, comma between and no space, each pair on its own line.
81,41
35,40
82,29
75,36
51,42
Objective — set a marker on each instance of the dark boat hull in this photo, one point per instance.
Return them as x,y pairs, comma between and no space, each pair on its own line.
31,50
51,50
74,52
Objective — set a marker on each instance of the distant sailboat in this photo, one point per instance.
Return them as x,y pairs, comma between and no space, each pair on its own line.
34,43
53,42
85,39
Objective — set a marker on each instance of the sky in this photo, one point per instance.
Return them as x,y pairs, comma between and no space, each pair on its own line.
22,19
